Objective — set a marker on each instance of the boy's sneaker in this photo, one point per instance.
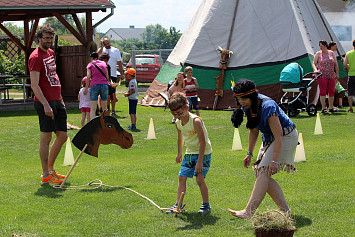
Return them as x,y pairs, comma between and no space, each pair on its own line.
171,211
131,127
204,209
51,179
56,175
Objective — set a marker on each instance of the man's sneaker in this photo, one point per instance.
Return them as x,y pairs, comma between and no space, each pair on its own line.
51,179
204,209
54,174
58,176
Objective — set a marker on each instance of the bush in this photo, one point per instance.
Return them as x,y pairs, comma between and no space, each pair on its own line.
9,67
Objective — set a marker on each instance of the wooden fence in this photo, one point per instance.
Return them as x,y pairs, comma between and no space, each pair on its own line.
71,68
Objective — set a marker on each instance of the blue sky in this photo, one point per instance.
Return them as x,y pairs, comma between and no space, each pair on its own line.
141,13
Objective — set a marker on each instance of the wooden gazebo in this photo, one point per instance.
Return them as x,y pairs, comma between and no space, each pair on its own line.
71,60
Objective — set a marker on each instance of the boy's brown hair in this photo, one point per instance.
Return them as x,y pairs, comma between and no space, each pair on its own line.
177,101
188,68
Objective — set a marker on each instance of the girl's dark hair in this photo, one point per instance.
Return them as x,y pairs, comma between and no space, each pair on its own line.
94,55
323,42
104,56
331,43
253,113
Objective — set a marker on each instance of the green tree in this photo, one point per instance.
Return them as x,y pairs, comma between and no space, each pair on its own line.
157,37
60,29
154,37
14,29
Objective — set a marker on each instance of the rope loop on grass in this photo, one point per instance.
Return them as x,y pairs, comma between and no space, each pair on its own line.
95,184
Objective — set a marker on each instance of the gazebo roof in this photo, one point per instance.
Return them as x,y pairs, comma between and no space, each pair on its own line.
16,10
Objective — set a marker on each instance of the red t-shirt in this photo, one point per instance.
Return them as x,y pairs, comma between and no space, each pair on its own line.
44,63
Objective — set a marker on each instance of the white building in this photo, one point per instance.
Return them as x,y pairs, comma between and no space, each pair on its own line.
341,16
125,33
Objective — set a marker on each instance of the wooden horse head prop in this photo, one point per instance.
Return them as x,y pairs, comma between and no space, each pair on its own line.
223,65
102,130
225,56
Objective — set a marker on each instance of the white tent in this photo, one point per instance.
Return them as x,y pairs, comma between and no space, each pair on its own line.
264,35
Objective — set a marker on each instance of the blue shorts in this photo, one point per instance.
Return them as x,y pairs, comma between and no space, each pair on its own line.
189,163
99,89
193,102
132,106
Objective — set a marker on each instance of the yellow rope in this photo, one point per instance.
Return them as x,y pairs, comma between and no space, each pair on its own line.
95,184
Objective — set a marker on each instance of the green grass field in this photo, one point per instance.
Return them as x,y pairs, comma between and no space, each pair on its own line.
321,194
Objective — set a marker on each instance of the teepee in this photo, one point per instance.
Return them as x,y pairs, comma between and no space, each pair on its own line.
264,36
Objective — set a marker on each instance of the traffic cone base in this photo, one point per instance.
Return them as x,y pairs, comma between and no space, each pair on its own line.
151,131
300,155
318,128
237,144
68,157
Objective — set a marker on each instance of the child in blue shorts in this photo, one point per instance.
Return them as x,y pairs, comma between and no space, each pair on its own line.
132,94
191,131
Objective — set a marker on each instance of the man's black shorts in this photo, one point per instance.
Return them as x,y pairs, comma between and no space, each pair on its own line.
46,123
114,80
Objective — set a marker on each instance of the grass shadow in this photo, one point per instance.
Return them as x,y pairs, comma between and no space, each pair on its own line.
196,220
11,113
118,117
46,190
302,221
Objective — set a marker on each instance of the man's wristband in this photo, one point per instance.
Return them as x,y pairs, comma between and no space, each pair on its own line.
250,153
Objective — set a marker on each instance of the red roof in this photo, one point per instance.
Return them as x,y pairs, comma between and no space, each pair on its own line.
19,10
20,4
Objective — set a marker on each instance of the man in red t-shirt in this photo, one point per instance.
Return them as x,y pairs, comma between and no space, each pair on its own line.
48,103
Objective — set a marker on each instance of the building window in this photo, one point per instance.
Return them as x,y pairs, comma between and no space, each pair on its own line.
344,33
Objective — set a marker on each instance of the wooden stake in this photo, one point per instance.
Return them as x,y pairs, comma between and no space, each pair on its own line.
71,169
179,204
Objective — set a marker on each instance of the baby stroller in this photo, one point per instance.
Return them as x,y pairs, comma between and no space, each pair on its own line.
296,88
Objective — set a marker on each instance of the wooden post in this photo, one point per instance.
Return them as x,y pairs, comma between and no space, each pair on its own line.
76,161
179,204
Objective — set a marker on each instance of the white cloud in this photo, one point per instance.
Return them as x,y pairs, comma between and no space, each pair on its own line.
141,13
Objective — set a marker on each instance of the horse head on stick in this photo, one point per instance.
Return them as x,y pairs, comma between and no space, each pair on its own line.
102,130
225,56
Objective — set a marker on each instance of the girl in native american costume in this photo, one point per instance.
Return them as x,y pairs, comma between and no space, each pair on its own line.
279,136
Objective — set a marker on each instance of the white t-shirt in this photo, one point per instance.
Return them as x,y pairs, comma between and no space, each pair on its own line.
115,56
84,99
133,85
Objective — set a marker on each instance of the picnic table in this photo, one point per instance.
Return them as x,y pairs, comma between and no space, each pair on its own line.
4,87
